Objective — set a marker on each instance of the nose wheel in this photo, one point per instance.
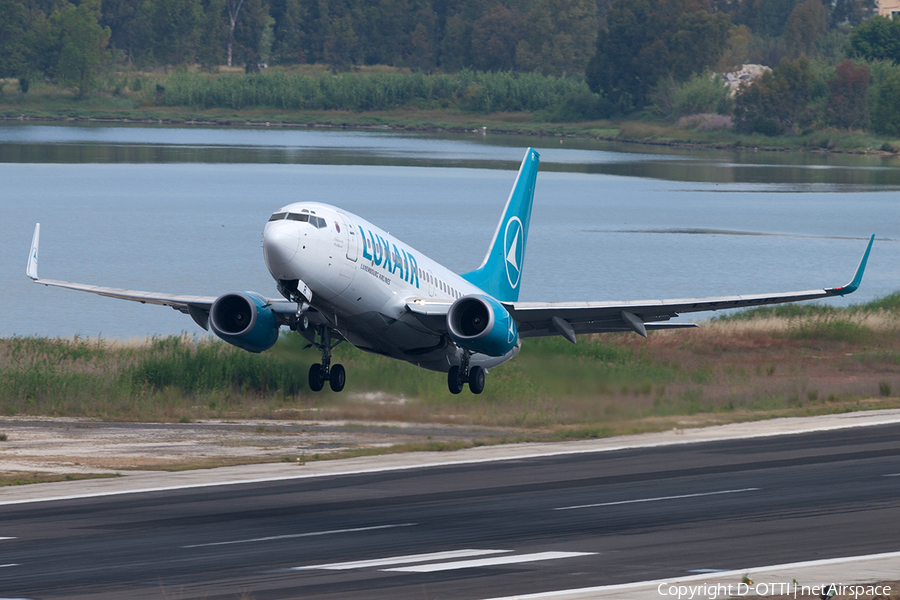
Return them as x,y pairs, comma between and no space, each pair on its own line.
335,375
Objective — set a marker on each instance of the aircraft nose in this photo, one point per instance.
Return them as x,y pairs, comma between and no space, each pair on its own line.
280,242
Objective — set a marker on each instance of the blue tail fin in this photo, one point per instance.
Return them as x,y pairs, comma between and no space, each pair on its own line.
501,272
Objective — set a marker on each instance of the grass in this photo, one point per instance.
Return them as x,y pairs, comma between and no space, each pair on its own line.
756,364
26,478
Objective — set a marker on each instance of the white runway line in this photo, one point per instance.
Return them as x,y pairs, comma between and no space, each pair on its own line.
400,560
6,538
300,535
10,565
892,475
659,498
488,562
653,583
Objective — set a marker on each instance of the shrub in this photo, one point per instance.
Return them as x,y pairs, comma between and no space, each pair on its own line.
580,106
778,102
706,122
702,93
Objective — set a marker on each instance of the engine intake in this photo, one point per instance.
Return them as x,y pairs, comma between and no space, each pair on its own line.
481,324
244,320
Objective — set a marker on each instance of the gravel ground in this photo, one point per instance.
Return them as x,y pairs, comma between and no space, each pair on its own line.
76,446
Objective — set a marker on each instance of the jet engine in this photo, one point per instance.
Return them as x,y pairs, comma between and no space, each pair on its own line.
481,324
245,320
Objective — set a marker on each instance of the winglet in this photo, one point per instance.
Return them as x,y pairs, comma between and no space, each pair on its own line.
31,268
857,279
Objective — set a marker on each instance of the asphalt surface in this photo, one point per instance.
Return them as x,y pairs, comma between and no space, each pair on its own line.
485,529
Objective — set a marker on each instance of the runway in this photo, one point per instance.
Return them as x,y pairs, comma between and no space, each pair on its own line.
471,531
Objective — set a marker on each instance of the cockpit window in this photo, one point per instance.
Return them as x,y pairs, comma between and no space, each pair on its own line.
305,217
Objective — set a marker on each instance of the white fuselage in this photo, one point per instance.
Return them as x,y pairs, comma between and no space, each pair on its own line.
360,278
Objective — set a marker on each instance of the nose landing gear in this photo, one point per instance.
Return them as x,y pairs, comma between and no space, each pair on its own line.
459,376
335,375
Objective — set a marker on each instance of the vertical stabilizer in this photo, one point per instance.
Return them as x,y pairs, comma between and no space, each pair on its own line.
501,271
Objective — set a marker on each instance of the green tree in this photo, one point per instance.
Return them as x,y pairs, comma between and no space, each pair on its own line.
778,102
421,54
771,16
288,45
13,38
646,40
130,32
879,39
43,42
886,113
494,39
214,33
83,45
234,12
340,44
698,41
848,92
806,26
559,37
175,31
248,33
456,44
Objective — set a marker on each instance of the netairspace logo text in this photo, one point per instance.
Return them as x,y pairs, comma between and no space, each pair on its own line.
791,590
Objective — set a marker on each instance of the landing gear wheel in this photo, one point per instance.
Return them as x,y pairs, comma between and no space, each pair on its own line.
316,378
453,381
476,380
337,378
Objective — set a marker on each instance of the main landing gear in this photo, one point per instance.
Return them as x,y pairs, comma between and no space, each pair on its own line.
333,374
459,376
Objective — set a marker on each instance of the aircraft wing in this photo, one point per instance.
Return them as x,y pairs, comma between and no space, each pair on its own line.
569,318
195,306
535,319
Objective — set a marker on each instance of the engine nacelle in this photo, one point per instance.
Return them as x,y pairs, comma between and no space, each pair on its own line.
245,320
481,324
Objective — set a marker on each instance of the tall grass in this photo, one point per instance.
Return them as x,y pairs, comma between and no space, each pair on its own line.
467,90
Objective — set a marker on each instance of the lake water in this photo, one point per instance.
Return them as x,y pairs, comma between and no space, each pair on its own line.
181,210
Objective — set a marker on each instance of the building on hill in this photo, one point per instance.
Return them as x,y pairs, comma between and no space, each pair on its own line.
889,8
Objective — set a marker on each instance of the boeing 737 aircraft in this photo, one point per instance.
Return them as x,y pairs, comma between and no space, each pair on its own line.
344,279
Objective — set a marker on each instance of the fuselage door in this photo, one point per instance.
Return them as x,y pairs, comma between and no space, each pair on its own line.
352,235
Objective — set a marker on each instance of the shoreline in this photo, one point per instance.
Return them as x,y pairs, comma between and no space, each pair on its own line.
389,122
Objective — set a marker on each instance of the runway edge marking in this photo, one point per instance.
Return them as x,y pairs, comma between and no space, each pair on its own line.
678,579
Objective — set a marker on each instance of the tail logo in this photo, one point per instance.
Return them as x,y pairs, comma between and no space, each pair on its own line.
513,249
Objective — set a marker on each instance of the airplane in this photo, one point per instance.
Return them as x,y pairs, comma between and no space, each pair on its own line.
343,278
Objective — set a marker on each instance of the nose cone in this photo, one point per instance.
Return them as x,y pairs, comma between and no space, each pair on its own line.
280,242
